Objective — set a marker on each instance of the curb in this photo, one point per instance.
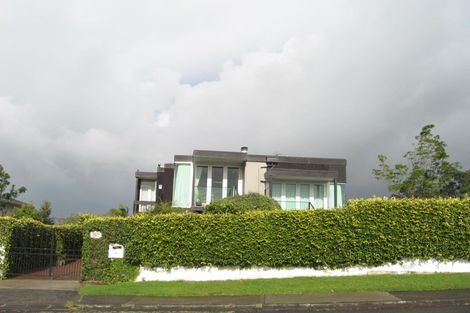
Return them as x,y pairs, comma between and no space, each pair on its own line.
260,306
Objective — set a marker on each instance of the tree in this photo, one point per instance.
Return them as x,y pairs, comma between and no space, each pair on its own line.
428,172
28,210
7,193
119,210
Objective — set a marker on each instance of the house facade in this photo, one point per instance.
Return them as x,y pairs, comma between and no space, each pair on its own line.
205,176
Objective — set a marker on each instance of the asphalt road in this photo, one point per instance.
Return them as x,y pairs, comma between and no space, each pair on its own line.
45,301
440,309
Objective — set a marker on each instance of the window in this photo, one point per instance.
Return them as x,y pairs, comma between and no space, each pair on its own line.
340,195
318,194
232,181
304,196
215,182
200,186
291,195
182,186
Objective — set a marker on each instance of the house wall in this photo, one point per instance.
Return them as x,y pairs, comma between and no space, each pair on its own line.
254,177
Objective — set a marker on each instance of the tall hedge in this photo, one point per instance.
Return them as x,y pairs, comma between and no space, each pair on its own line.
366,232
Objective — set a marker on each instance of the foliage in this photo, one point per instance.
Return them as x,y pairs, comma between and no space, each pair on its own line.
120,210
120,271
366,233
28,210
28,233
459,186
243,203
427,173
77,219
164,208
6,192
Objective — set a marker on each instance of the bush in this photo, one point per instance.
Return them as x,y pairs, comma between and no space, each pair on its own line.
366,233
164,208
241,204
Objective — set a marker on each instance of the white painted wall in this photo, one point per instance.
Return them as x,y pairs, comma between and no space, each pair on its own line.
214,273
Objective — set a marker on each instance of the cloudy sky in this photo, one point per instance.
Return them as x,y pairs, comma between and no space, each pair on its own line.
90,91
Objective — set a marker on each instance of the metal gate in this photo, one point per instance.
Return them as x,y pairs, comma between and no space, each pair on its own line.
45,260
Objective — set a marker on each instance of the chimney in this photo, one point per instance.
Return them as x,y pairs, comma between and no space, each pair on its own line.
244,149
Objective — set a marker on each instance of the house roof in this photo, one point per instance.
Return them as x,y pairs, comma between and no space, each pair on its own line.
12,202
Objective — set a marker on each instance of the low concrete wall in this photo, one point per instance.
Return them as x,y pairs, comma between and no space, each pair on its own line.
214,273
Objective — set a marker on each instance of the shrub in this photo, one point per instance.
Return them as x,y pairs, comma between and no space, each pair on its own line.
164,208
241,204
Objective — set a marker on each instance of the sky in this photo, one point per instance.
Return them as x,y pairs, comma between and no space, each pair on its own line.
91,91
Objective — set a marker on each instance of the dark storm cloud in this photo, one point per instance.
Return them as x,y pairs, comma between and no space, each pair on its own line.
90,92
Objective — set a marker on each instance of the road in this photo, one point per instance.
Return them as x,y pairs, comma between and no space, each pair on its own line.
440,309
45,301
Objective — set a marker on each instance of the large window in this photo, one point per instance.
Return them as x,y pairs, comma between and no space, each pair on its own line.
340,195
200,186
215,182
292,195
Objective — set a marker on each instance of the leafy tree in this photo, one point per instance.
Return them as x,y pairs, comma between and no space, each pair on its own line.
28,210
428,172
6,192
459,186
119,210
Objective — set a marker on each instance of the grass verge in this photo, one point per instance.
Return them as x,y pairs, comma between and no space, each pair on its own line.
300,285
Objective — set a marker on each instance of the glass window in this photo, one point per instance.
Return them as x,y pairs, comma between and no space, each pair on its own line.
304,196
232,181
290,196
318,194
147,191
276,193
217,183
340,195
200,186
182,186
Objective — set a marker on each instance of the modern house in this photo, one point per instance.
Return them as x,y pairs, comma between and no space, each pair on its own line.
193,181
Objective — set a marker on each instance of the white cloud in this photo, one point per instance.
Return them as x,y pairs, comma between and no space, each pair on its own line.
100,90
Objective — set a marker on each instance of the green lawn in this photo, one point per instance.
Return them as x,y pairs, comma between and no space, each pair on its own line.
300,285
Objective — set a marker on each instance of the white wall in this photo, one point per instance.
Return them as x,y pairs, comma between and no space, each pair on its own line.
214,273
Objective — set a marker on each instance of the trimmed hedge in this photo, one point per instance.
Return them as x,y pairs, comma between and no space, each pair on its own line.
242,204
28,233
365,233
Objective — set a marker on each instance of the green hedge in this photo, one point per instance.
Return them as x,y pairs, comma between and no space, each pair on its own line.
366,232
27,233
242,204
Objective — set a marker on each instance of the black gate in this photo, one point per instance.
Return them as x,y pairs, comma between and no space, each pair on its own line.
45,255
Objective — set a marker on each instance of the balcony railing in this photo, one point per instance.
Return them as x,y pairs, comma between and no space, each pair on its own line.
143,206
